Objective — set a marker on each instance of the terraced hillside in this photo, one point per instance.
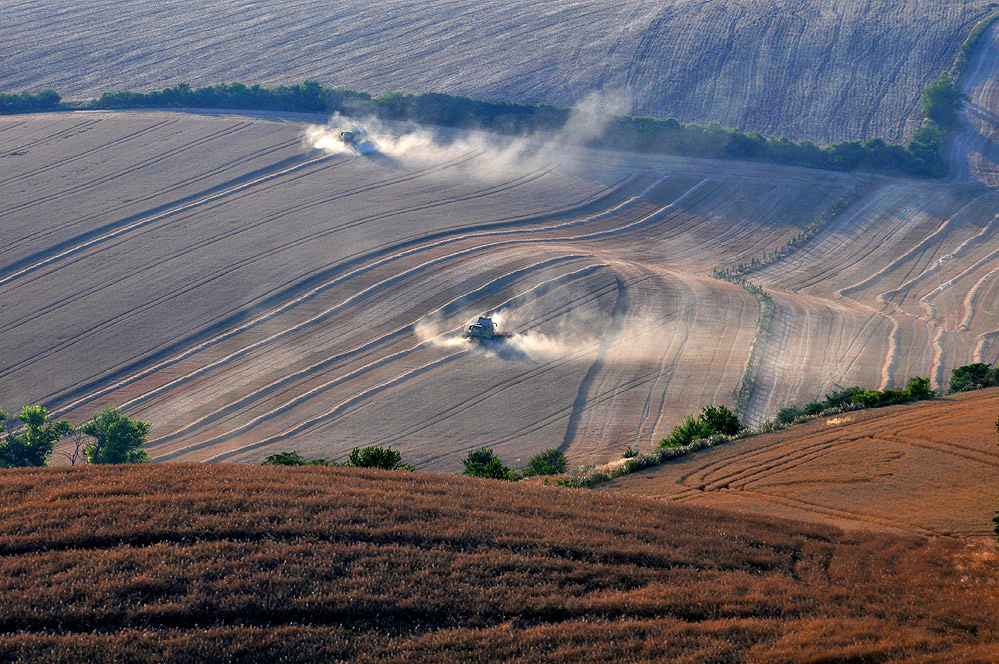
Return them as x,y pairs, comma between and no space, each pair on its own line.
169,563
826,70
247,286
925,469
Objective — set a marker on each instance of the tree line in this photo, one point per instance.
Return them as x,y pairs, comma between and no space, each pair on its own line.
110,437
921,156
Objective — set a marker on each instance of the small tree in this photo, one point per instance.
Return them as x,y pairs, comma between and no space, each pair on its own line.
973,377
33,446
549,462
721,420
919,388
284,459
377,457
117,438
484,463
942,100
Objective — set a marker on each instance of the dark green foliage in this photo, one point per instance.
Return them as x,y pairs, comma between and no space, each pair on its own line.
973,377
549,462
25,102
713,420
117,438
377,457
622,132
919,389
942,100
33,446
629,453
720,419
293,459
788,414
484,463
843,396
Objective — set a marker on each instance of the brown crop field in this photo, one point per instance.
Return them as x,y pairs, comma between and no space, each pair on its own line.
171,563
926,469
821,69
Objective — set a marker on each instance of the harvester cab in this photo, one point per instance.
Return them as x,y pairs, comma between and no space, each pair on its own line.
482,329
352,136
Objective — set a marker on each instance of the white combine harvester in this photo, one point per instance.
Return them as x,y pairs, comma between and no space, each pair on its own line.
483,330
358,140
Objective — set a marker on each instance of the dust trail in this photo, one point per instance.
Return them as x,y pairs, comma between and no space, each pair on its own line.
413,145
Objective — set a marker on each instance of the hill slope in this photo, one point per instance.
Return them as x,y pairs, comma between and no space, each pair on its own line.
192,563
246,292
926,468
827,70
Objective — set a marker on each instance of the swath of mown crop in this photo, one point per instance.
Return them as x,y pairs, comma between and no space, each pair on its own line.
174,562
922,469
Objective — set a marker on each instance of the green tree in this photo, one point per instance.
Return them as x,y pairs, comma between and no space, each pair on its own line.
117,438
484,463
377,457
549,462
720,419
33,446
942,100
973,377
919,388
691,429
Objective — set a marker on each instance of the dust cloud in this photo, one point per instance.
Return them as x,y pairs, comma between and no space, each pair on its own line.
416,146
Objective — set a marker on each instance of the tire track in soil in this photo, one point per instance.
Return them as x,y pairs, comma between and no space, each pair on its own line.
401,250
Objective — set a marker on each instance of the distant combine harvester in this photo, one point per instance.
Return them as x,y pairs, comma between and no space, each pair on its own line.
484,330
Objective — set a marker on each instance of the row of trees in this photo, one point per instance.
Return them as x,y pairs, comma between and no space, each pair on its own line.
26,102
921,156
384,458
484,463
110,437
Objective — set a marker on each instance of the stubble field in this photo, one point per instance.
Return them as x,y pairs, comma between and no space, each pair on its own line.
826,70
246,286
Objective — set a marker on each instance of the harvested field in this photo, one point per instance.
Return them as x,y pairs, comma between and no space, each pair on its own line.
825,70
245,292
925,469
224,563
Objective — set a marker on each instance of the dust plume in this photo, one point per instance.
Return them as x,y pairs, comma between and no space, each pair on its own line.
417,146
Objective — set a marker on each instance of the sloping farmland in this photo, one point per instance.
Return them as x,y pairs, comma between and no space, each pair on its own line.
926,469
247,292
821,69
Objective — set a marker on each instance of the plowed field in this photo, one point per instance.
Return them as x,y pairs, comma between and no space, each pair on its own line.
927,469
821,69
246,291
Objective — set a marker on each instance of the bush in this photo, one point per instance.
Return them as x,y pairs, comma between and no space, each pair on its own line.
973,377
549,462
33,446
484,463
377,457
942,100
285,459
919,389
117,438
629,453
713,420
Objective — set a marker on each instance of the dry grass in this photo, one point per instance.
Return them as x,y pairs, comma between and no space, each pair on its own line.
227,563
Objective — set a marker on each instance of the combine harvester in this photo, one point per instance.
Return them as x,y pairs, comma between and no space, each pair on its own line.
357,139
484,331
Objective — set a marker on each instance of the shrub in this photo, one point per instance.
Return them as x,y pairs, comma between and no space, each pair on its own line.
284,459
484,463
33,446
720,419
377,457
942,100
117,438
629,453
973,377
919,389
549,462
711,421
788,414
